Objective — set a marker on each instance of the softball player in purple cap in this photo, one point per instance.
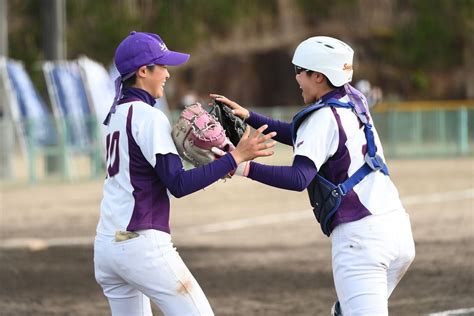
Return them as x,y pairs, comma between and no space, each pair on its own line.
339,159
134,258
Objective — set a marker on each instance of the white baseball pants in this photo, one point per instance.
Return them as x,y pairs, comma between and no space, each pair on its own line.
133,271
369,257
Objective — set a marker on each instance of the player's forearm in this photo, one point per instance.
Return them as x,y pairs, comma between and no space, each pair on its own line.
296,177
182,182
283,129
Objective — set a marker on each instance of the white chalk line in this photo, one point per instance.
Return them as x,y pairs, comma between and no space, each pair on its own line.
308,213
43,243
462,311
439,197
250,222
39,243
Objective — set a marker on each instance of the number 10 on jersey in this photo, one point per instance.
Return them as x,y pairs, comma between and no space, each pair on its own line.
112,153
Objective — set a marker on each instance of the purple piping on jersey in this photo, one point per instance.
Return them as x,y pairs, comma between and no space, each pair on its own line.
152,206
335,170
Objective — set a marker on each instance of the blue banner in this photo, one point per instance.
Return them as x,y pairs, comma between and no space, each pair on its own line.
34,116
68,96
100,90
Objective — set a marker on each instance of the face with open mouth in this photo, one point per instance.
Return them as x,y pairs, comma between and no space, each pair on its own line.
156,80
306,84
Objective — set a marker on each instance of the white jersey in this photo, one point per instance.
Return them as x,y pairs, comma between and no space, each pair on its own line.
134,197
334,139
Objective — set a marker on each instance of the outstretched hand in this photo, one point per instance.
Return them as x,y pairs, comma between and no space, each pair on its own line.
253,146
237,109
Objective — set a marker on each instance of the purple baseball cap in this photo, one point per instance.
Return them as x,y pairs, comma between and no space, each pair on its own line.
139,49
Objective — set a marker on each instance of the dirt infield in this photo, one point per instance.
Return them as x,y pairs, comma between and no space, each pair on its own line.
265,255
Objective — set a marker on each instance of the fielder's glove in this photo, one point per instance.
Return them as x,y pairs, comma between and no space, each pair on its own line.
233,125
196,133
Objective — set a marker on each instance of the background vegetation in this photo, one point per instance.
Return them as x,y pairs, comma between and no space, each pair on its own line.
413,49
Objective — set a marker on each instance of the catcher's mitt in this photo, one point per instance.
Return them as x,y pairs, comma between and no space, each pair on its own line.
233,125
196,132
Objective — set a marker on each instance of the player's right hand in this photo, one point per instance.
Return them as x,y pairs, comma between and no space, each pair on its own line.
237,109
253,146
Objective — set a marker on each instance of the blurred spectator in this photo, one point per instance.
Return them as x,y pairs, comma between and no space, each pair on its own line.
374,94
190,97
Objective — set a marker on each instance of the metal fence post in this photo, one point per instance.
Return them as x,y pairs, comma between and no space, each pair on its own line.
63,136
96,150
417,132
7,147
392,132
441,114
463,139
52,159
31,150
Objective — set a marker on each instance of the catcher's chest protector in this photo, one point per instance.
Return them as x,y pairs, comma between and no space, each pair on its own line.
325,196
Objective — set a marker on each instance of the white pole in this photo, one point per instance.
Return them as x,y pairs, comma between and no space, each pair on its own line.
54,21
7,147
54,45
3,28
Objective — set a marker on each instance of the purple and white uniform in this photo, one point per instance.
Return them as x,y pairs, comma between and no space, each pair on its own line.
143,166
134,196
372,243
134,258
142,169
336,151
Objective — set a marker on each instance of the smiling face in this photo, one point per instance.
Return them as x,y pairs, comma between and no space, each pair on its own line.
307,86
313,86
152,80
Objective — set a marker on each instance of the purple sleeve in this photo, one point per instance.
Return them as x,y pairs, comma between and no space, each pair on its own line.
296,177
282,128
182,182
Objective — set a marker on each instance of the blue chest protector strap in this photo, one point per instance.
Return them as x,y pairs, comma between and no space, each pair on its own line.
324,195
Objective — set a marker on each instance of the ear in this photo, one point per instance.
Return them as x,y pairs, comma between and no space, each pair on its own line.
141,72
318,77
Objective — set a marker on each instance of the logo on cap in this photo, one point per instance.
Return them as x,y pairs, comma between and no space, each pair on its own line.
163,46
347,67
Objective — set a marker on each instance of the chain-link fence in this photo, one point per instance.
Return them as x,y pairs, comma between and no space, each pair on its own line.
405,133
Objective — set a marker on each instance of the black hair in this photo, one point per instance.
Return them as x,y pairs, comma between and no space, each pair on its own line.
130,82
309,72
330,83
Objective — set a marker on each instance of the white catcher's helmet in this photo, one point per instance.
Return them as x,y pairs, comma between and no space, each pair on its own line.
326,55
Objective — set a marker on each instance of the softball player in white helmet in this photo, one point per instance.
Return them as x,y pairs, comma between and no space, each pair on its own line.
134,258
338,157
